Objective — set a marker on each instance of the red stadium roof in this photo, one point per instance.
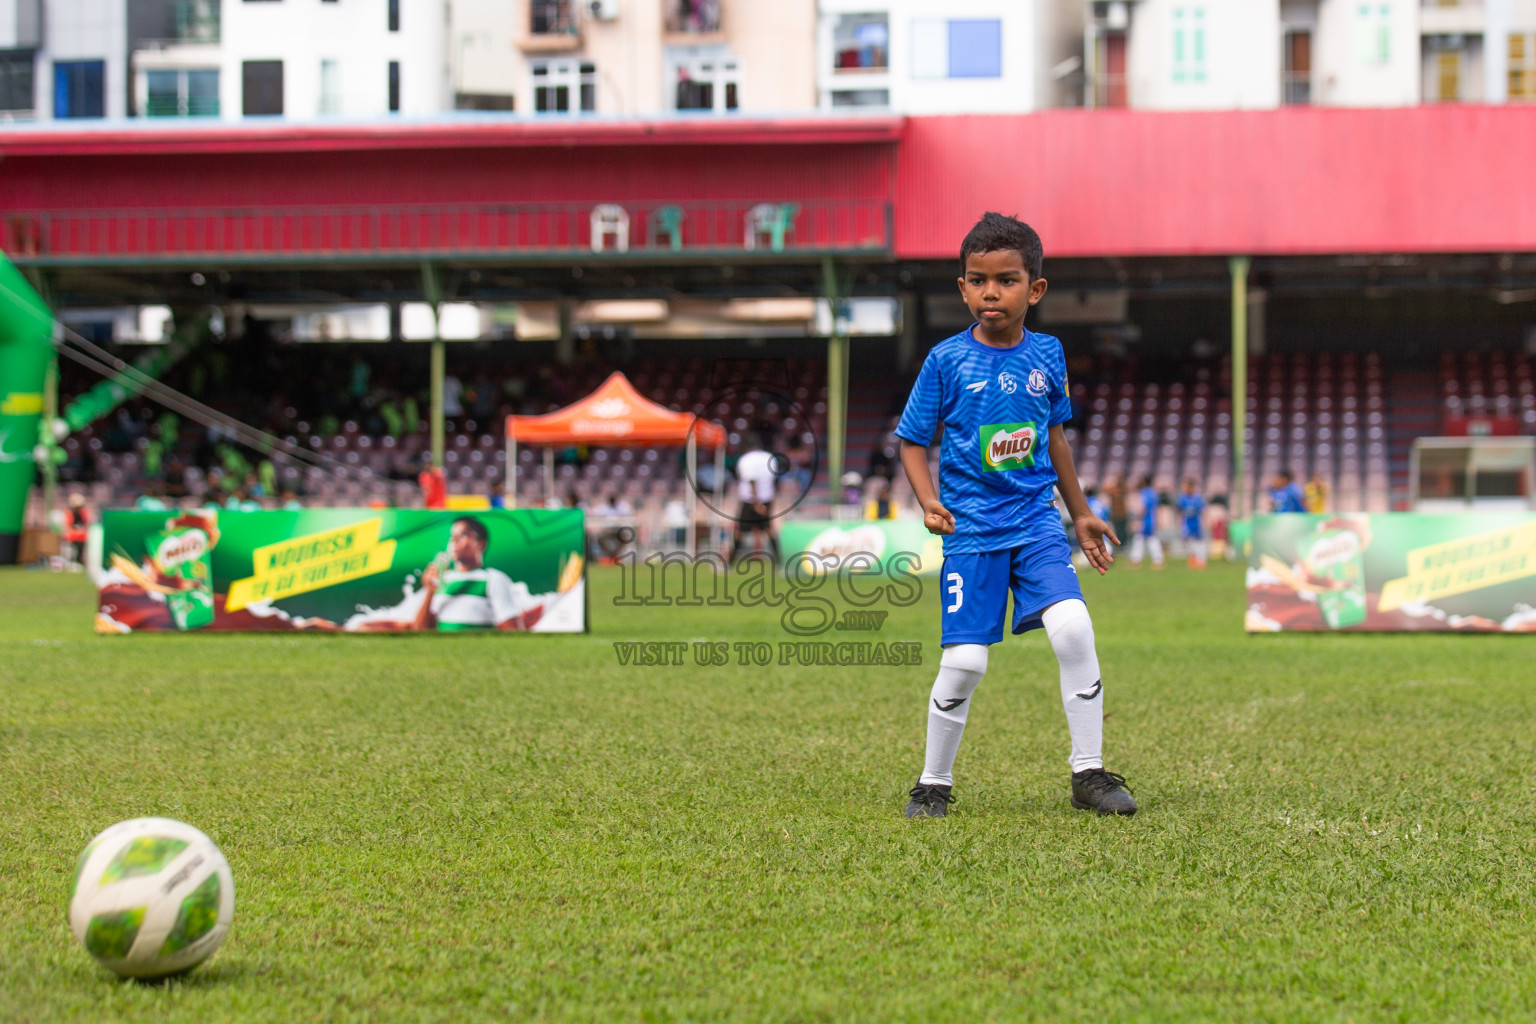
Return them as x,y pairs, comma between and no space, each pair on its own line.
1300,180
159,136
1100,183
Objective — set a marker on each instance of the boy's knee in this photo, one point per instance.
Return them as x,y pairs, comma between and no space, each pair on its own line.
1068,625
965,658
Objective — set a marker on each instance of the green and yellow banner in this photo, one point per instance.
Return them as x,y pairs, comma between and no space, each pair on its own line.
26,327
899,545
1398,571
344,570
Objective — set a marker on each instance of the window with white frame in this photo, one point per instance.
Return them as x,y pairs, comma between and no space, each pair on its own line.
330,86
710,82
180,92
1373,32
564,87
957,48
860,43
1189,44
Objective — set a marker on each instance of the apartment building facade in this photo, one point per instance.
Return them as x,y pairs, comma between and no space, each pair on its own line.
634,57
968,56
303,59
1241,54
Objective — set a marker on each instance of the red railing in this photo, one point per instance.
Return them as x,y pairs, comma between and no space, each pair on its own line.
530,231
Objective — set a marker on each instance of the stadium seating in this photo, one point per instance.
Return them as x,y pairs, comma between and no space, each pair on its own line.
1339,415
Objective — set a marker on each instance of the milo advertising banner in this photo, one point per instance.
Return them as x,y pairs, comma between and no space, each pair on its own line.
347,570
899,545
1474,572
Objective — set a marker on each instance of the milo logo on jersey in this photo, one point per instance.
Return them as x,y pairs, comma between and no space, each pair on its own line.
1007,446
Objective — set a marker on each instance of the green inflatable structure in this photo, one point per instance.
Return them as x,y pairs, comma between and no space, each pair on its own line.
26,329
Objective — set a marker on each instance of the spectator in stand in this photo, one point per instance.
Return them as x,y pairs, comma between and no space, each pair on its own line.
885,456
1284,495
802,457
434,485
675,516
1317,495
1100,508
880,505
1119,513
453,397
150,500
853,487
77,521
357,387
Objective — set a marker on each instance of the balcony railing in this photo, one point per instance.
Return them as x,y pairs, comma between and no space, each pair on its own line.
533,232
1296,88
197,21
692,17
553,18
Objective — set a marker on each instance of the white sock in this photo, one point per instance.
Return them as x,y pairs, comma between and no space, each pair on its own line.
1070,631
961,667
1138,549
1156,545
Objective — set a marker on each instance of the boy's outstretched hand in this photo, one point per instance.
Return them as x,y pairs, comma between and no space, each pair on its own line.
1091,531
938,519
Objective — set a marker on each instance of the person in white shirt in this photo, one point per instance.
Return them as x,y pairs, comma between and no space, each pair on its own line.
459,592
756,481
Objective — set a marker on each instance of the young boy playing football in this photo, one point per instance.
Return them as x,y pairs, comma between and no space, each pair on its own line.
1000,392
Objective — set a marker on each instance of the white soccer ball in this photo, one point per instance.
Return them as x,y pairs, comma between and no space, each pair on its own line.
153,897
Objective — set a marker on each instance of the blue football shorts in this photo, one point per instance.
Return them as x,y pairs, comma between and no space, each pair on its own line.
974,588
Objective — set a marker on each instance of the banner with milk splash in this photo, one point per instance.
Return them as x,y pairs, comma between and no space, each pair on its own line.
1398,571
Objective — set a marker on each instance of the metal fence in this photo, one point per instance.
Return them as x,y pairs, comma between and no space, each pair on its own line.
636,230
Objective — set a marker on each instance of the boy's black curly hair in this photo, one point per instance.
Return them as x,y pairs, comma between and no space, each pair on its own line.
997,233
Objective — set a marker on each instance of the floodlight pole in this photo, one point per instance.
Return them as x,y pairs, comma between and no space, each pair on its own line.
692,464
509,476
1239,266
434,296
837,379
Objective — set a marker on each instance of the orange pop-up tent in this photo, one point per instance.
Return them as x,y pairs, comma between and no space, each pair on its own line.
616,414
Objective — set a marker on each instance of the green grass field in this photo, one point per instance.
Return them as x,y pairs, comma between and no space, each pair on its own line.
1333,828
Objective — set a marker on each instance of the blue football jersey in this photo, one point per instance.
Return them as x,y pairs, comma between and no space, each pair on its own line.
1191,506
997,406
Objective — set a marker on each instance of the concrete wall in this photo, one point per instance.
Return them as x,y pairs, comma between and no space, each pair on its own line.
85,30
1240,69
357,37
1347,71
493,53
1014,91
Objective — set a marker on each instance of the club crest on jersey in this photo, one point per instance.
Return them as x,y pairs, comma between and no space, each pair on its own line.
1008,382
1007,446
1038,385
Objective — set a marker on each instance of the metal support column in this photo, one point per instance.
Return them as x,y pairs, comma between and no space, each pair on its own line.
690,543
837,380
434,296
1239,266
509,475
565,345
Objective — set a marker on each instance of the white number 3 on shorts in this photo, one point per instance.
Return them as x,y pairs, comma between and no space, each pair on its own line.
955,587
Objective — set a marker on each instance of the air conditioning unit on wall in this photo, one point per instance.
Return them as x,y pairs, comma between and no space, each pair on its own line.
602,10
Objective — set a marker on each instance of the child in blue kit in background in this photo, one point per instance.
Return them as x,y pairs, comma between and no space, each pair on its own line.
1146,538
1192,512
1001,393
